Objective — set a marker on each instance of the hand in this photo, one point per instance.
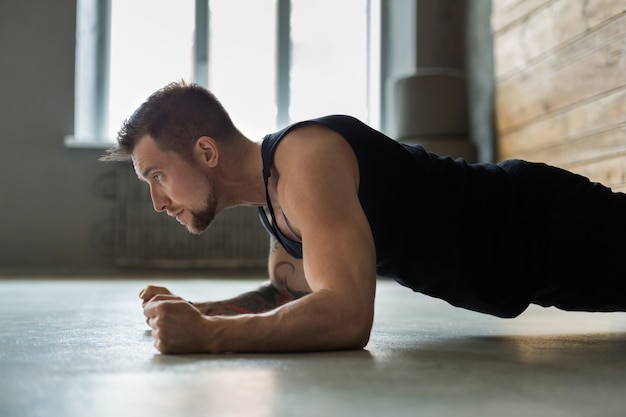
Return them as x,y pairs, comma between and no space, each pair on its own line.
177,326
152,290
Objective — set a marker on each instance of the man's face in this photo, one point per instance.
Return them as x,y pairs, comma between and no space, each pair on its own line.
177,186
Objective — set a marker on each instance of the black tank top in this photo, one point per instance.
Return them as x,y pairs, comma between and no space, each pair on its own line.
440,225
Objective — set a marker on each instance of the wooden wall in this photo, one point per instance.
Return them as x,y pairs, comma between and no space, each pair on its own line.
560,68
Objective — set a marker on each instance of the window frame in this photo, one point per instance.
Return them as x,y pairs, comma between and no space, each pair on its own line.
92,66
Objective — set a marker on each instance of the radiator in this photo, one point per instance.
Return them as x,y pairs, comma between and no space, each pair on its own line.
144,238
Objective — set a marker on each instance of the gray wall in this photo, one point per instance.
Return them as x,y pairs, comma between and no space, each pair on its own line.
404,51
480,76
57,204
51,213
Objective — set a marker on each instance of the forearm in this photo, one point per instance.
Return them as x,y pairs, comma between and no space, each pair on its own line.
261,300
321,321
286,283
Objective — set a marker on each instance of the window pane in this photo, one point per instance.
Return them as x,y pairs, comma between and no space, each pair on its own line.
329,61
151,46
242,62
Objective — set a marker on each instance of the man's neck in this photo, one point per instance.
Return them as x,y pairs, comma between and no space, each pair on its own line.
243,175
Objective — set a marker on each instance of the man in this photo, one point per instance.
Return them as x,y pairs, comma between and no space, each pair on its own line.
344,203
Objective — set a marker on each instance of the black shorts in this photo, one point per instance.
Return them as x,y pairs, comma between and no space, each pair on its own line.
577,232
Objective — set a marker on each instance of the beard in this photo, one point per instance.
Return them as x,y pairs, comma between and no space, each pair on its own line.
202,219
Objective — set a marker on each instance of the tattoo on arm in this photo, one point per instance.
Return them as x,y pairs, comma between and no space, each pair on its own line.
258,301
286,268
265,298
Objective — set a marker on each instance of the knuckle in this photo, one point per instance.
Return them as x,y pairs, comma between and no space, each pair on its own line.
162,345
160,309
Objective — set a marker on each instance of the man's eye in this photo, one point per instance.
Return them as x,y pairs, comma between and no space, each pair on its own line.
157,177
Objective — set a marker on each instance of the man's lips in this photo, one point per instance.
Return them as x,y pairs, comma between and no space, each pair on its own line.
175,214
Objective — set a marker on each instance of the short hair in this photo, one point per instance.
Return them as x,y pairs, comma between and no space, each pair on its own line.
175,117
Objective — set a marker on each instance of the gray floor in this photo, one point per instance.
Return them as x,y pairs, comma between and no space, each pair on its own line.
81,348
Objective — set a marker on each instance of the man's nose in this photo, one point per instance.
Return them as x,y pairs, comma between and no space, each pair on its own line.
159,200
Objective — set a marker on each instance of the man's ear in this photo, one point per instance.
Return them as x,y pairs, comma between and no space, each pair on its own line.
206,150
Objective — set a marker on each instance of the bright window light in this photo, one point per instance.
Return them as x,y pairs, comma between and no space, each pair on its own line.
329,58
270,62
151,46
242,62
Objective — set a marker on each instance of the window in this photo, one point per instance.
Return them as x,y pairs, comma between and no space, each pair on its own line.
270,62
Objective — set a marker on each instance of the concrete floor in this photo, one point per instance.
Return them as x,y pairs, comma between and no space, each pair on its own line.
81,348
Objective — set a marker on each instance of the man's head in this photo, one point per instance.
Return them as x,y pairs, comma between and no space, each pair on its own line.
175,117
184,189
172,139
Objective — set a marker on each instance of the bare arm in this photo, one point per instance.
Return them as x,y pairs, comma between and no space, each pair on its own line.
319,196
287,283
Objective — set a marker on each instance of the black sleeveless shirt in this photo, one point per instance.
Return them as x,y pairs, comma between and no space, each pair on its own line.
441,226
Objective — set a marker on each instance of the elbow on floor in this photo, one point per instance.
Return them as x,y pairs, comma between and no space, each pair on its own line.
357,337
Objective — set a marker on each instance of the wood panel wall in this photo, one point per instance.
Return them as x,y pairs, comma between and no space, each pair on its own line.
560,68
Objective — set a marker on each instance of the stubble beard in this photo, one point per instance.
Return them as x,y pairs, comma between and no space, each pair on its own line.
202,219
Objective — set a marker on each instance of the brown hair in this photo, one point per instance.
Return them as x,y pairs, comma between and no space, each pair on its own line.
175,117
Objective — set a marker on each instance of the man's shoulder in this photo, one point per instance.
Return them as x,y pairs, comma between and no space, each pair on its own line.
311,143
312,140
